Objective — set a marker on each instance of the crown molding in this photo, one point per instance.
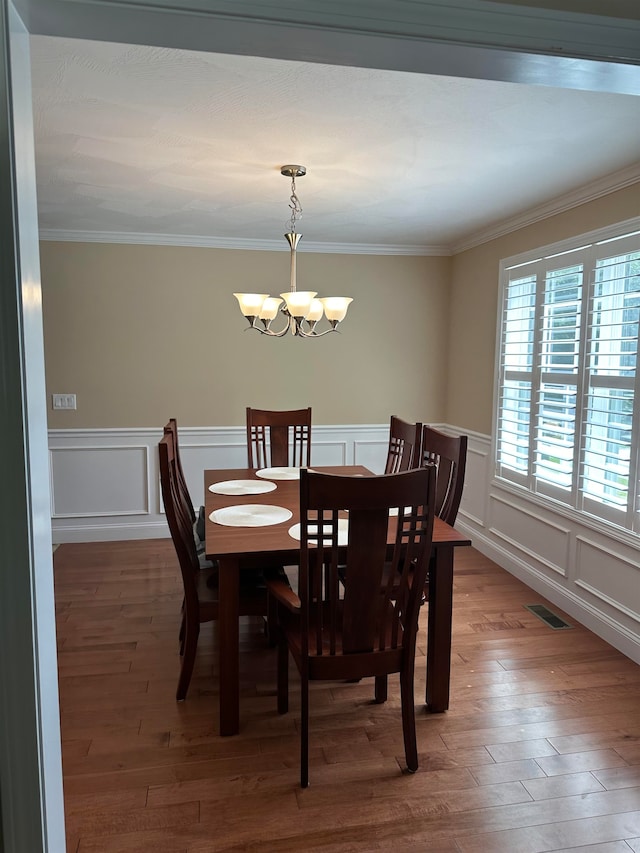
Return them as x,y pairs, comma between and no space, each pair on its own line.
589,192
237,243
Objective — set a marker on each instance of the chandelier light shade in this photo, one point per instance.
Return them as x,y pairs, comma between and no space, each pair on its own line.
302,309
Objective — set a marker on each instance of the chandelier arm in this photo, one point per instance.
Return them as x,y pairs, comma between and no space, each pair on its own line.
301,333
270,333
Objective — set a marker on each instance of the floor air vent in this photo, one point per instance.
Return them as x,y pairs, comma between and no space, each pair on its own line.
547,616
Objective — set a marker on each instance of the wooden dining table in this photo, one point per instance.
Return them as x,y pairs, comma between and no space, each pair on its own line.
238,549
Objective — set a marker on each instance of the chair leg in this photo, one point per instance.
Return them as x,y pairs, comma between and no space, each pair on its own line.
283,675
304,730
188,659
182,631
381,688
272,621
409,719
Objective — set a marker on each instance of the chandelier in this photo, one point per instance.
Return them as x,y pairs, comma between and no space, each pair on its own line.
302,309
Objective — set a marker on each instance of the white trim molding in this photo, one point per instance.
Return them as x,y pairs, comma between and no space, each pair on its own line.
105,482
593,190
589,572
589,192
237,243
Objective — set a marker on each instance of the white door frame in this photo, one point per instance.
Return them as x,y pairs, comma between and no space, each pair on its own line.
505,42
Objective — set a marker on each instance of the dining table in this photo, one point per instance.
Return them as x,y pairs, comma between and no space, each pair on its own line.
239,547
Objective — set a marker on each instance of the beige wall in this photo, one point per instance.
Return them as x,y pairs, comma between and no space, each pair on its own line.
144,333
474,300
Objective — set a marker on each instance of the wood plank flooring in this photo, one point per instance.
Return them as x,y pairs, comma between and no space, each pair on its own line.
539,751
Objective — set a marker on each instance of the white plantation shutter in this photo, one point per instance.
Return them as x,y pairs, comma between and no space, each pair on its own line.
568,401
610,475
557,395
515,389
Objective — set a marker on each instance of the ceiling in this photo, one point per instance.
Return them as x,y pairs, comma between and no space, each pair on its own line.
156,144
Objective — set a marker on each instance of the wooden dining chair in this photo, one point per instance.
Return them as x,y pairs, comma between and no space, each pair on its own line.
278,438
403,453
197,519
404,445
449,454
200,586
358,631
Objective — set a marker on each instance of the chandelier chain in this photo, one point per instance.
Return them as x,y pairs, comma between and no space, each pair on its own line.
295,206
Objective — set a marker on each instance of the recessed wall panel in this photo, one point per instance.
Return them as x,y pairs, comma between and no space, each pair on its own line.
531,533
371,454
474,495
97,481
608,576
199,457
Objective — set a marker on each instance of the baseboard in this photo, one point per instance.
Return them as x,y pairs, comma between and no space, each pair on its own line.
617,635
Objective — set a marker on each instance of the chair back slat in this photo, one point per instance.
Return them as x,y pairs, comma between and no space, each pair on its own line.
278,438
449,454
366,618
404,445
362,626
178,517
171,429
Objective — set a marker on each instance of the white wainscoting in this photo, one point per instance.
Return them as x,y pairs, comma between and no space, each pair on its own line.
591,572
105,482
104,486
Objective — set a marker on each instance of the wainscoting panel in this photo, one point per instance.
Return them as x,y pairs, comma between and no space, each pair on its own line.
105,485
196,458
84,485
474,501
532,533
591,572
371,453
619,589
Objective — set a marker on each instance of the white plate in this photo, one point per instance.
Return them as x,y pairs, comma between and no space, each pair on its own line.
283,473
343,532
250,515
242,487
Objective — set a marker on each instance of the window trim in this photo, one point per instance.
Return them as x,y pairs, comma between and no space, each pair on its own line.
605,519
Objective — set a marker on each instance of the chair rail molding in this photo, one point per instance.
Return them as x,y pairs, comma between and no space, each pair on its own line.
105,486
105,482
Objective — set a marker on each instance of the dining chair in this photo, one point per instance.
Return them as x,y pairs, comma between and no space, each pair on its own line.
449,454
200,586
404,445
278,438
361,630
197,519
403,453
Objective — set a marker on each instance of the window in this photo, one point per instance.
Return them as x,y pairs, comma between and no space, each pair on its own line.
568,401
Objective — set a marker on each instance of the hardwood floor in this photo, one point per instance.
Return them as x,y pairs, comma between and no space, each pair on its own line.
539,751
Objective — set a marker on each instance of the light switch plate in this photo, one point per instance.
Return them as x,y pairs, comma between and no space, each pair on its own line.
64,401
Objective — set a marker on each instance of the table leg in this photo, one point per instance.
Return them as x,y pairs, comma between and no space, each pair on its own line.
228,592
439,630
